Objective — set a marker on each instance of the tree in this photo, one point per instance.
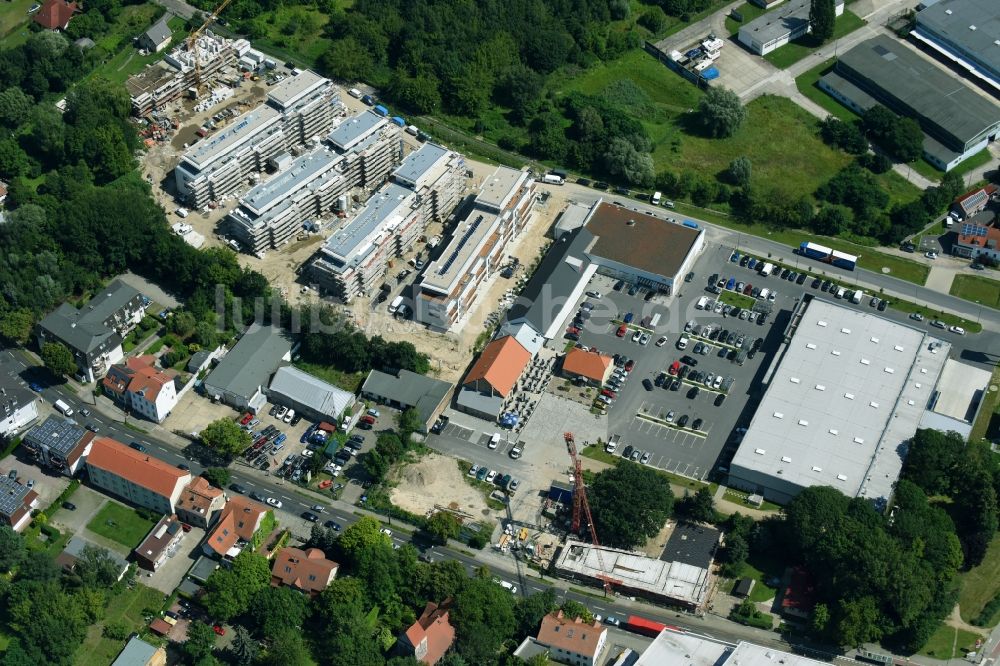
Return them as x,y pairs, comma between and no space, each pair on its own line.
226,437
822,17
699,507
12,549
442,526
739,171
574,609
629,503
831,220
362,535
96,567
932,460
16,325
622,160
653,19
243,648
721,112
182,324
14,107
409,422
483,617
228,592
200,640
217,476
530,611
274,609
287,648
906,140
58,359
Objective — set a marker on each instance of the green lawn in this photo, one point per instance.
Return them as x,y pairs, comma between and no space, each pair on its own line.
129,607
345,380
981,583
791,53
977,161
792,162
127,61
989,409
946,317
14,19
807,85
121,524
737,300
761,571
977,289
948,643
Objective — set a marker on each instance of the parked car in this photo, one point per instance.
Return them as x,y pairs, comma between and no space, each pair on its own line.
916,316
662,341
645,458
310,516
696,425
69,506
237,488
683,420
275,502
627,452
957,330
138,447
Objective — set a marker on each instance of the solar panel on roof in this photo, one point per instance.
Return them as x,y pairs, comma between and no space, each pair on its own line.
461,243
970,229
974,200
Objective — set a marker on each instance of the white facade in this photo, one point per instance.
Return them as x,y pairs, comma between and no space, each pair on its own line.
16,414
159,406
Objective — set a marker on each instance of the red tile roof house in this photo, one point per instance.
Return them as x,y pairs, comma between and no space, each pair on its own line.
135,476
592,366
305,570
240,520
430,636
200,503
572,641
799,596
55,14
141,387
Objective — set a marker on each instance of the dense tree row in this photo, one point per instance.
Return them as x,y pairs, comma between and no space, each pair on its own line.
875,579
943,464
378,592
350,350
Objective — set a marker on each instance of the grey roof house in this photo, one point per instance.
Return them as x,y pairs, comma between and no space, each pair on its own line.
308,395
406,389
240,377
94,332
157,37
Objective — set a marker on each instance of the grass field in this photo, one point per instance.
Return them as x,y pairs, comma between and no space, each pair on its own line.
128,607
989,409
977,289
793,161
297,31
949,642
737,300
748,12
981,583
127,61
807,85
14,19
791,53
120,524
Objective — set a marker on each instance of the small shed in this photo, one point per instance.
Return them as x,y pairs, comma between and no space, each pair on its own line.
743,587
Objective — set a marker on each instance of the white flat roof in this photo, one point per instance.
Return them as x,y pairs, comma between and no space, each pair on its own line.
958,388
293,88
355,129
383,212
244,129
418,163
849,389
682,649
500,186
683,582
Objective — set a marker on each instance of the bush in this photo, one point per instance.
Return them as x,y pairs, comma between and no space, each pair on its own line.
116,631
478,540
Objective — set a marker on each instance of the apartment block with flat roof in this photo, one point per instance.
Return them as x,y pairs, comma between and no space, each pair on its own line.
296,111
475,252
354,259
271,213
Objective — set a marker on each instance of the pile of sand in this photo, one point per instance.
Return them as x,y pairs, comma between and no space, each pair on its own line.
434,482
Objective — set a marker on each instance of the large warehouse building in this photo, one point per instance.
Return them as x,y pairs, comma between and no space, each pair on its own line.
965,33
957,121
845,393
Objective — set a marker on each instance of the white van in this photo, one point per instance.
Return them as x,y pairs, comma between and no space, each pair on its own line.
656,198
396,302
355,93
63,408
552,179
495,440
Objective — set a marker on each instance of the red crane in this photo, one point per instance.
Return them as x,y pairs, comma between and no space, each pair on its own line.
581,508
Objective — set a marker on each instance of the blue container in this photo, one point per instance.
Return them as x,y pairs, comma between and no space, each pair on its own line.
399,121
381,110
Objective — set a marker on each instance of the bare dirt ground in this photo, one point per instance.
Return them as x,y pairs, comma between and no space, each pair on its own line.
435,482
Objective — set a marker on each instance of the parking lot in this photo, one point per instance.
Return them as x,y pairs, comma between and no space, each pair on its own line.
649,420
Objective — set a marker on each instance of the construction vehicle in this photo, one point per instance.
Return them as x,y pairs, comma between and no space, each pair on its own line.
581,509
192,44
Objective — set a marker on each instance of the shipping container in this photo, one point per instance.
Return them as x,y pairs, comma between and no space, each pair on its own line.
381,110
641,625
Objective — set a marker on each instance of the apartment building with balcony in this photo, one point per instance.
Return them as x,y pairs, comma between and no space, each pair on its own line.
297,110
449,285
353,260
358,155
94,331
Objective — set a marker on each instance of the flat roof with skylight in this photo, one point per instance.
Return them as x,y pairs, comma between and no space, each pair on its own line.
383,212
418,163
968,31
355,129
290,90
847,393
500,187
